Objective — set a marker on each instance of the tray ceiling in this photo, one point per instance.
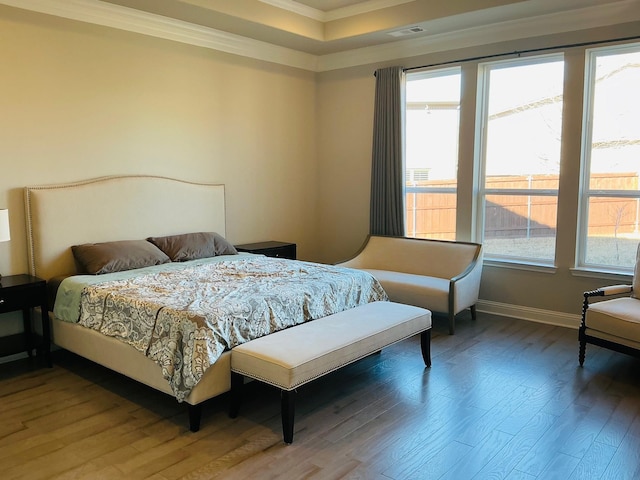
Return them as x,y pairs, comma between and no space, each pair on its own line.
322,35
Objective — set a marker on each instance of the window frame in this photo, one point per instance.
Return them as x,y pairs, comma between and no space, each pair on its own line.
585,192
415,76
482,113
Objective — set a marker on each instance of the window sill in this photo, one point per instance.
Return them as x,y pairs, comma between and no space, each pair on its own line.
613,275
529,266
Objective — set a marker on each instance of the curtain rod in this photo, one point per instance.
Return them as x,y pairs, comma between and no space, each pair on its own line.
520,52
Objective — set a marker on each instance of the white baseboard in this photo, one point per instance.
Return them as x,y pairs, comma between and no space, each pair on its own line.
14,357
22,355
529,313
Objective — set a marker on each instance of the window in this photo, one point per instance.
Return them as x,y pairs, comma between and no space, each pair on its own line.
520,110
519,117
431,153
610,199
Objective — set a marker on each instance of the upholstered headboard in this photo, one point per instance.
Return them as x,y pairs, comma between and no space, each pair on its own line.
114,208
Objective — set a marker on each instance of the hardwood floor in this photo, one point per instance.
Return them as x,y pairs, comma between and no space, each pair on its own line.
504,399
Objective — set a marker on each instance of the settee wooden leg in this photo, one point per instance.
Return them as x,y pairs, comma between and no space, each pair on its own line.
287,403
195,415
581,354
425,346
237,383
474,314
452,323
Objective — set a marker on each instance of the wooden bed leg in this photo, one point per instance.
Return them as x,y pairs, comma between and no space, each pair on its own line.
195,414
288,412
425,346
237,383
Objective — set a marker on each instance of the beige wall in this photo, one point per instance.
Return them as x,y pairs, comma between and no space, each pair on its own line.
345,123
345,118
80,101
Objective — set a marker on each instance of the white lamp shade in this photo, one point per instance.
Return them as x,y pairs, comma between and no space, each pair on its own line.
5,235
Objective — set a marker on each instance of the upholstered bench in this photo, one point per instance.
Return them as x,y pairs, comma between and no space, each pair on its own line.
290,358
441,275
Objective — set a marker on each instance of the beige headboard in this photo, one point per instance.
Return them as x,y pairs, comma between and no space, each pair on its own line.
114,208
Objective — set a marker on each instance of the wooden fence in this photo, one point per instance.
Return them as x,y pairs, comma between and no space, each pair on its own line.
522,216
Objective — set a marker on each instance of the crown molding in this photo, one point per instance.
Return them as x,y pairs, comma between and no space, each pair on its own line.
360,8
132,20
573,20
338,13
123,18
298,9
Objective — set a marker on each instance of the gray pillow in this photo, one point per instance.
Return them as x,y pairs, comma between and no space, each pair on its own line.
108,257
191,246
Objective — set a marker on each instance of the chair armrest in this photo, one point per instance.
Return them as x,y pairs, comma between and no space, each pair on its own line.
610,290
601,292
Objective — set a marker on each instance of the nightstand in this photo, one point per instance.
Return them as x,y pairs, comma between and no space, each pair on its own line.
23,292
270,249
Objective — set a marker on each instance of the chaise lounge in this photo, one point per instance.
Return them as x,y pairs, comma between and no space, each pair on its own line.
440,275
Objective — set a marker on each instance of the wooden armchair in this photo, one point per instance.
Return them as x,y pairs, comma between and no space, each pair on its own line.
614,323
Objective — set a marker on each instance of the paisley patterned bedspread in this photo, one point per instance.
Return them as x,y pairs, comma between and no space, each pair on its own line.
184,319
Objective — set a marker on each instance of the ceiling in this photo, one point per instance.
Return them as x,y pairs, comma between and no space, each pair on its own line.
323,35
321,27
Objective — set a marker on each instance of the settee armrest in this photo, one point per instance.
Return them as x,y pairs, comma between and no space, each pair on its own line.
474,266
465,287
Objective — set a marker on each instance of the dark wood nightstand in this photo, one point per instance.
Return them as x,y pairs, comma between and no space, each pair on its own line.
23,292
270,249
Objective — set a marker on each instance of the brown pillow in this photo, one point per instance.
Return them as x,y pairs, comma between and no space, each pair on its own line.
108,257
191,246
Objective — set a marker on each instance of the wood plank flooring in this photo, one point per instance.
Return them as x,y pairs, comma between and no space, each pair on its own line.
505,399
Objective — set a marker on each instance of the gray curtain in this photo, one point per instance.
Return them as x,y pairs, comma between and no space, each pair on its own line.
387,180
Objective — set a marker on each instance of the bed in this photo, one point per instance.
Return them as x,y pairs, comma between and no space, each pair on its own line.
134,208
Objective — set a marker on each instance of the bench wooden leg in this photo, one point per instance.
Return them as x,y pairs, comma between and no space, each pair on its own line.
425,346
237,383
195,414
288,413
